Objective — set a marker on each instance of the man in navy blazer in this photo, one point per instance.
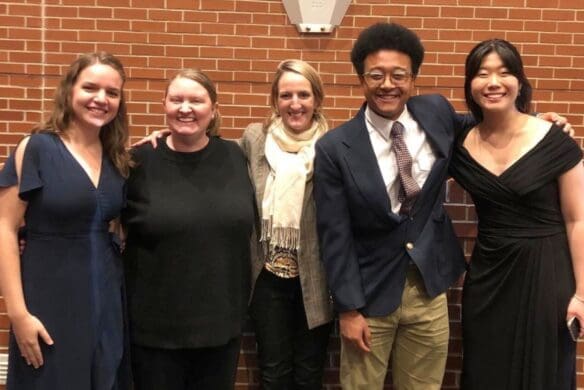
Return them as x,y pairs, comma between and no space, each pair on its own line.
388,269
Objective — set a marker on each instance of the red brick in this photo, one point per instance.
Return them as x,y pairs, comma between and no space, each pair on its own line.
165,15
457,12
94,12
218,5
62,12
542,3
130,13
113,25
200,17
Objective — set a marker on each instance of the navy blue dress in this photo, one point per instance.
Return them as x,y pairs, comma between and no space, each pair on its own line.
71,272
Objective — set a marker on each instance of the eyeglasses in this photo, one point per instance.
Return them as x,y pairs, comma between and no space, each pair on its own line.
376,77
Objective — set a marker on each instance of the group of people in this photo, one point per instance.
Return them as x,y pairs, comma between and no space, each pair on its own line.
140,266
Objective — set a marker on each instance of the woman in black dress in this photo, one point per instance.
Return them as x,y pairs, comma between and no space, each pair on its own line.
526,276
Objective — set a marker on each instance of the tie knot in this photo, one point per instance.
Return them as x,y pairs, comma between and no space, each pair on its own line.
397,130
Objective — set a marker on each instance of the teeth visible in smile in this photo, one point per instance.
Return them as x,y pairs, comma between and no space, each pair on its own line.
186,119
494,95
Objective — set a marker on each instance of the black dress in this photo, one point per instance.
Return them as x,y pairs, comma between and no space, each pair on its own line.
71,272
520,280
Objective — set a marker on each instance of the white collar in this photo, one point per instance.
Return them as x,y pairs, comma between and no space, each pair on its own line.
383,125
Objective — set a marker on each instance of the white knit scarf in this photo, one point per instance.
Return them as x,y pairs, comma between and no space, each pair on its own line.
290,156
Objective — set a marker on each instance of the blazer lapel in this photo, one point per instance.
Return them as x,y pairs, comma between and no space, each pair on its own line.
435,132
438,138
364,168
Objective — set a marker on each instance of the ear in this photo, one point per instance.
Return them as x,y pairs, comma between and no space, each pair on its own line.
215,108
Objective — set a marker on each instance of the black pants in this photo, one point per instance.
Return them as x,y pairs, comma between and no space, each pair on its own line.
291,356
211,368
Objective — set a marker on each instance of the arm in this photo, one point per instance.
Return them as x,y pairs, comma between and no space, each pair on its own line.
338,254
560,121
465,121
26,327
571,186
117,229
152,138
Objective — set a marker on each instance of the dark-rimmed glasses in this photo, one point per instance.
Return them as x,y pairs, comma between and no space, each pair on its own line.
376,77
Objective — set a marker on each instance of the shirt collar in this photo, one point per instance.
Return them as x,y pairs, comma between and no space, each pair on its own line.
383,125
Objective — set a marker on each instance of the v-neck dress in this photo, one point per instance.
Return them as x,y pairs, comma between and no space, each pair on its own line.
520,279
71,270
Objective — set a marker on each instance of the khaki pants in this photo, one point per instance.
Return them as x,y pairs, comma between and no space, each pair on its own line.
417,332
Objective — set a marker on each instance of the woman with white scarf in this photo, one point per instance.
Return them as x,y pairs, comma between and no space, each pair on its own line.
290,306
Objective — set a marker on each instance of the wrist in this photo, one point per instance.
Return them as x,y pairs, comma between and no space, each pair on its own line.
578,297
349,314
16,315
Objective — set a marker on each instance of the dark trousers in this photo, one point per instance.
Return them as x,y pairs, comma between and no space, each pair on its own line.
291,356
211,368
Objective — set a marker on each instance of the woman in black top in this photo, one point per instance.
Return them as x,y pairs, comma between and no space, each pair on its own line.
189,220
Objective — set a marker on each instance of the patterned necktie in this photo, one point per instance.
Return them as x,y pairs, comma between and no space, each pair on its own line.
408,186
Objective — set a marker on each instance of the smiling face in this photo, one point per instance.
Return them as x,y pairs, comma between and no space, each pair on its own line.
188,108
387,98
95,96
494,87
296,103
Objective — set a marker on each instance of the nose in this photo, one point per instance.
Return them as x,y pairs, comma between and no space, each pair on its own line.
185,106
295,101
387,81
493,80
100,95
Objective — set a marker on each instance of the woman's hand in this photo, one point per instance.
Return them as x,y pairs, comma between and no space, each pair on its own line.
27,330
152,138
576,309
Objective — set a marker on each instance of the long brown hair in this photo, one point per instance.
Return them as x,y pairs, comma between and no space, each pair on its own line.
113,135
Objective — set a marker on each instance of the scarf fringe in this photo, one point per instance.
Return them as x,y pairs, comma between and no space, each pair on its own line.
281,237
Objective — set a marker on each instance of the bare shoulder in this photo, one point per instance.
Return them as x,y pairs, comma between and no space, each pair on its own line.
537,128
19,154
470,138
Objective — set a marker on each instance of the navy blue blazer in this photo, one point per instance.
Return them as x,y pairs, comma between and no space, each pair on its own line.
366,248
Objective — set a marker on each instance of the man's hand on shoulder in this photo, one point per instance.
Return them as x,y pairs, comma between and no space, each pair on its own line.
559,120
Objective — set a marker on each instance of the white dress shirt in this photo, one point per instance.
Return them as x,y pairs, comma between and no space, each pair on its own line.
415,139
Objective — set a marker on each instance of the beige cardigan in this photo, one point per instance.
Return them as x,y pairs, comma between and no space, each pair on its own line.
315,294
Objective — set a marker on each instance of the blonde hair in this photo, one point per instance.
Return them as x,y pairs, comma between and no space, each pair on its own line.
309,73
200,77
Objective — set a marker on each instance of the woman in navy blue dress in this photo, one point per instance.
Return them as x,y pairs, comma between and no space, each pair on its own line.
64,295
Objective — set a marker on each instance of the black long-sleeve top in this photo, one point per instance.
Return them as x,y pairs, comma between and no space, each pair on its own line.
189,219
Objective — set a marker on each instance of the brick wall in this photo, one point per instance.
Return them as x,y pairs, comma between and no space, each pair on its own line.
240,42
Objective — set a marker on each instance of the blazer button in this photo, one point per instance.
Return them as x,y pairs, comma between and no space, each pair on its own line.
409,246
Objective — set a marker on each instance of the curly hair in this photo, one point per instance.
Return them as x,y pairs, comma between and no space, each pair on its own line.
113,135
387,36
199,77
309,73
511,59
